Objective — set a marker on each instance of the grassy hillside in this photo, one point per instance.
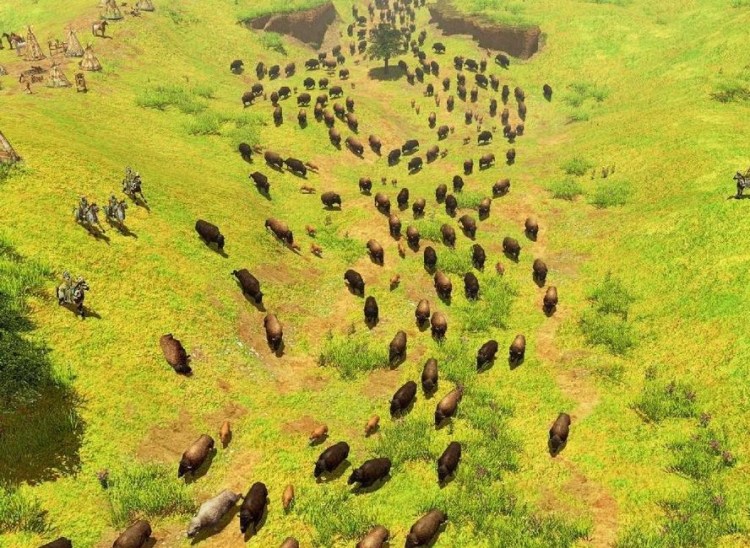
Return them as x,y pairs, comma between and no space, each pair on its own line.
646,350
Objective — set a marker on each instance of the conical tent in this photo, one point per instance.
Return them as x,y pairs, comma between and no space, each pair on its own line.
56,78
73,46
3,71
111,11
32,51
7,154
145,5
89,61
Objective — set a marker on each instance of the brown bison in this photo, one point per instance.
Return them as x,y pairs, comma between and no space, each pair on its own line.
442,132
376,251
531,227
175,354
468,225
517,350
273,159
135,536
550,300
371,311
438,325
486,354
539,272
468,167
430,376
458,183
443,285
430,258
253,507
484,208
365,185
451,204
355,146
432,153
471,285
382,203
418,207
370,472
558,434
422,312
274,332
249,284
448,234
335,137
195,455
354,281
501,187
510,156
478,256
61,542
330,199
448,406
394,225
296,166
511,247
440,193
394,156
397,348
425,529
402,199
486,160
448,461
290,542
331,458
209,233
245,151
403,398
375,144
415,164
412,236
375,538
547,90
280,230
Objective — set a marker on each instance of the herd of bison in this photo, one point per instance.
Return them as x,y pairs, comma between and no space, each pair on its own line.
398,14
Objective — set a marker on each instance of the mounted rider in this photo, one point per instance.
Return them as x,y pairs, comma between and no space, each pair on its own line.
83,207
743,182
66,289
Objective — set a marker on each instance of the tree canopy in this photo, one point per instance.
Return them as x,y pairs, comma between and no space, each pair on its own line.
385,42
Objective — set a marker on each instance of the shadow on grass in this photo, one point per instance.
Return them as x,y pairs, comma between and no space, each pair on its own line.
380,73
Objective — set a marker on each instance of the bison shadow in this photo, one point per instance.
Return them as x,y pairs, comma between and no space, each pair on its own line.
99,235
515,363
266,195
355,292
372,324
423,326
510,256
259,306
279,352
87,312
446,299
253,531
487,366
734,196
357,154
530,236
327,477
552,452
549,312
390,75
469,235
539,281
200,472
414,246
405,411
316,442
447,422
276,167
208,532
447,481
509,162
297,174
395,363
358,490
337,146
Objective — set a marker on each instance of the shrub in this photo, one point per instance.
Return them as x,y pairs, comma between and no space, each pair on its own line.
149,491
456,364
609,194
454,261
429,228
566,189
731,92
578,165
204,90
353,354
611,297
406,440
702,455
272,41
20,513
674,400
205,123
469,200
162,97
492,309
607,330
345,247
335,514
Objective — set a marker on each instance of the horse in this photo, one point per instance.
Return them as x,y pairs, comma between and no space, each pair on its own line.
88,217
132,187
743,182
99,28
73,295
115,212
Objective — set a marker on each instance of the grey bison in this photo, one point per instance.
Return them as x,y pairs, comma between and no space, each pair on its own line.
274,332
370,472
478,256
448,461
471,285
448,234
558,434
438,325
539,272
448,406
501,187
253,507
195,455
330,199
403,398
209,233
371,310
425,529
550,299
468,225
486,354
376,251
397,348
354,281
175,354
443,285
517,350
375,538
511,247
422,312
331,458
249,284
280,230
212,511
430,376
135,536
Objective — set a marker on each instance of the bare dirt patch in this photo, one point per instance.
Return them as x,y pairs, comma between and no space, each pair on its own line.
380,383
308,26
167,443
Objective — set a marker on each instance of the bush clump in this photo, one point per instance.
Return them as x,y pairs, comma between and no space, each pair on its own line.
565,189
161,97
335,514
20,513
492,309
658,401
353,354
611,194
578,166
406,440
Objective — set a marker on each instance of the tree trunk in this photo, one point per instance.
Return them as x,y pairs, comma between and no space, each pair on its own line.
386,63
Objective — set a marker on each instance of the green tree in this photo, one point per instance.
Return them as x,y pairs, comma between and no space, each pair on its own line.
385,42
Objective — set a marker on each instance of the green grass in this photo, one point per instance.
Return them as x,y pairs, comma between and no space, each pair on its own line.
565,189
578,165
611,193
333,516
185,100
353,355
660,401
407,440
703,454
492,309
20,512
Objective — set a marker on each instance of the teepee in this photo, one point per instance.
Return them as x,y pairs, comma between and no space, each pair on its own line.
32,51
89,61
7,154
57,78
145,5
73,45
111,11
3,71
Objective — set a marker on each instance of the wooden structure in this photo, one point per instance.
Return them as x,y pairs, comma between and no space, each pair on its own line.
33,75
81,83
55,47
7,154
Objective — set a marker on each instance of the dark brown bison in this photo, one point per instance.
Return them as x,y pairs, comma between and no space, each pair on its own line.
550,300
382,203
135,536
335,137
335,91
531,227
432,119
394,225
403,398
278,116
484,208
471,285
522,111
558,434
247,98
486,160
376,251
412,236
484,137
422,312
309,83
451,204
486,354
430,258
302,118
375,144
448,234
520,128
539,272
349,104
296,166
450,103
355,146
375,538
438,325
290,542
209,233
501,187
430,376
425,529
59,542
511,247
443,285
440,192
432,153
505,116
246,151
493,107
402,199
280,230
505,93
410,146
418,207
397,348
394,156
458,183
468,225
274,332
448,406
273,159
365,185
547,90
415,164
331,458
442,132
371,310
175,354
354,281
438,47
478,256
370,472
253,507
448,461
249,284
468,167
510,156
517,350
195,455
519,94
330,199
351,122
329,119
